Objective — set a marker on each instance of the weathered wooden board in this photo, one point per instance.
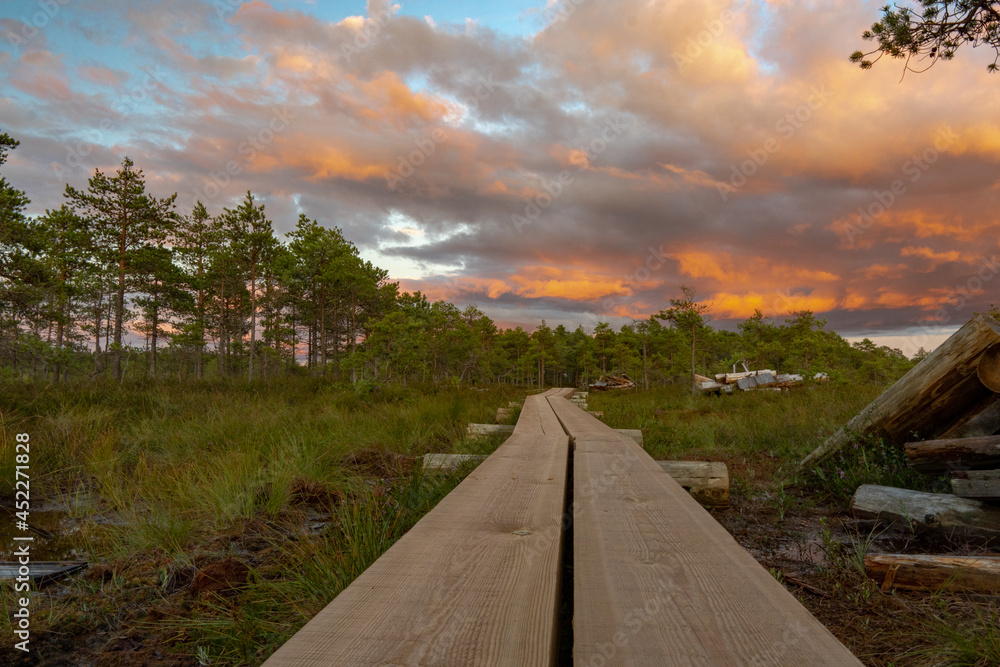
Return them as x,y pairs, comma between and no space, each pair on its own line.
938,512
933,456
940,393
958,574
447,461
657,581
707,482
475,430
981,484
474,582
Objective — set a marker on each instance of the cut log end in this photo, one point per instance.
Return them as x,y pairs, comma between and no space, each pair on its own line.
989,368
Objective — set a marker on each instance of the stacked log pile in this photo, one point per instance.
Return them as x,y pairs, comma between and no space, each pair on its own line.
747,381
613,382
953,397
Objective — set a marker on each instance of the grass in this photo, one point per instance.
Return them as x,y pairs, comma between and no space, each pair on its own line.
160,482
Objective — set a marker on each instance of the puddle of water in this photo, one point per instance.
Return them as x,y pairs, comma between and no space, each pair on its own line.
58,524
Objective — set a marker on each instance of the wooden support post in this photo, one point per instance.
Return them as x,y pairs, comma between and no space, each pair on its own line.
634,433
707,482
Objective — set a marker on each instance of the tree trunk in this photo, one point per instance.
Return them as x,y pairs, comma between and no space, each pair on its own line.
927,512
153,336
120,302
940,393
253,318
694,340
934,456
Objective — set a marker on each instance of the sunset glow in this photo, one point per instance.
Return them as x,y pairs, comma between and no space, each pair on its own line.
574,161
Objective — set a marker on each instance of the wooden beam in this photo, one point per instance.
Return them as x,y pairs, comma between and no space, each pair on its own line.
934,456
657,581
955,574
934,512
980,484
707,482
938,394
474,582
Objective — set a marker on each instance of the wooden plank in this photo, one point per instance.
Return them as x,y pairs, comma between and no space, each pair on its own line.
657,581
41,572
474,582
937,512
933,456
957,574
981,484
939,394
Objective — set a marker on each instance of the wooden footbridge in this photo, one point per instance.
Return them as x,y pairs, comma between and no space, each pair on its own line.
568,545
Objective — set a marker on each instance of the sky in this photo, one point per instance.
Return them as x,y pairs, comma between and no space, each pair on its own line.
575,161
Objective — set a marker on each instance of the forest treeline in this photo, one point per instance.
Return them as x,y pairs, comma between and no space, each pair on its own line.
118,283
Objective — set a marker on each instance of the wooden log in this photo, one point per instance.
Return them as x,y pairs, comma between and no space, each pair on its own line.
933,456
981,484
515,404
989,368
955,574
710,385
733,378
476,430
940,392
936,512
437,462
707,482
504,414
596,413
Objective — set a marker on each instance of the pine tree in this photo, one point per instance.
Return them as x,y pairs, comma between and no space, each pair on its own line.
124,219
